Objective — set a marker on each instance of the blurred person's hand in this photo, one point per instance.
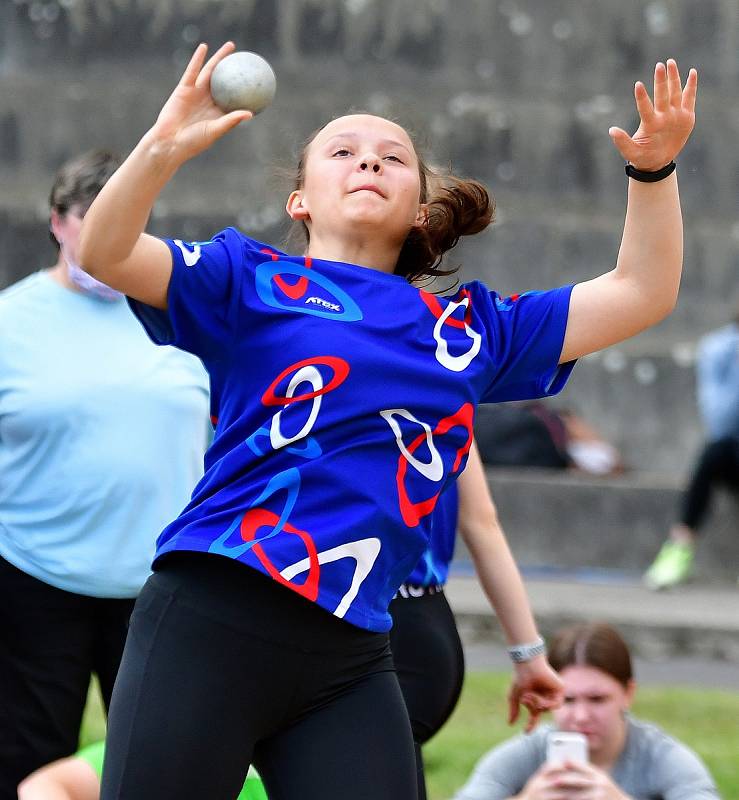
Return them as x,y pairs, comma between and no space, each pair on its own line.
571,780
587,782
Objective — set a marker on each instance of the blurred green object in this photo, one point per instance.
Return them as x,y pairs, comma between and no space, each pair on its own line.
671,566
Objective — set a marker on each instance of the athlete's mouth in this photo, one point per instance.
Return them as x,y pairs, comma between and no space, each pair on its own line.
368,187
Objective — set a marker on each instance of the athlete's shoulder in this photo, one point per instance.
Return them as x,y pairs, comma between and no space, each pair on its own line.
232,236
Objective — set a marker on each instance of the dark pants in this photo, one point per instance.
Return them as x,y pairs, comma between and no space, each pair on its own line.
51,641
430,664
717,465
224,667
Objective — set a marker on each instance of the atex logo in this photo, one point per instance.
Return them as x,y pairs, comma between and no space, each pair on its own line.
318,301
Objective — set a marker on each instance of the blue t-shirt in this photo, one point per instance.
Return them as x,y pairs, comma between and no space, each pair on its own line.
432,568
102,437
346,399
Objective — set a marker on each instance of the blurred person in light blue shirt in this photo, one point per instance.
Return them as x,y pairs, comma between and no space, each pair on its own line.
717,377
102,437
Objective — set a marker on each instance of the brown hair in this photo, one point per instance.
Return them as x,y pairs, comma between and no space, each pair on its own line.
456,207
592,644
79,180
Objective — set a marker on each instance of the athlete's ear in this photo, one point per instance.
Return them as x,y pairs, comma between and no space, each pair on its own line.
296,207
422,217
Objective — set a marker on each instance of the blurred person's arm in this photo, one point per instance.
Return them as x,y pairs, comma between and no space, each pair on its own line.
503,772
70,778
113,245
643,287
679,774
535,683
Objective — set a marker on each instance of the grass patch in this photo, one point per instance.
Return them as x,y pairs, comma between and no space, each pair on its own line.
705,719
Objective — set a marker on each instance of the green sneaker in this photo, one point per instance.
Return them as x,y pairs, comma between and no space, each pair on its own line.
672,566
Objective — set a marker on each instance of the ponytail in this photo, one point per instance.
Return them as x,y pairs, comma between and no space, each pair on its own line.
456,207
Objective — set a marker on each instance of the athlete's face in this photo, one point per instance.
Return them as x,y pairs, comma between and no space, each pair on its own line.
594,705
360,170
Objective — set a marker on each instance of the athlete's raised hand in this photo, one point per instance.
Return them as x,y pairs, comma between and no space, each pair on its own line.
666,122
190,121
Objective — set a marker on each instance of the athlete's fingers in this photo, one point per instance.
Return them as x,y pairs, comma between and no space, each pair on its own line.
690,90
674,86
194,66
661,87
203,79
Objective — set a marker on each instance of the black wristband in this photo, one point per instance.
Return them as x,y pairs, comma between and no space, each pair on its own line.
650,177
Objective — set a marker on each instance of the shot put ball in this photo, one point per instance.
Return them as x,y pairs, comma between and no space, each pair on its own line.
243,80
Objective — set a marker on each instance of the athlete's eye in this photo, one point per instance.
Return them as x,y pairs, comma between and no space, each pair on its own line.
342,151
393,157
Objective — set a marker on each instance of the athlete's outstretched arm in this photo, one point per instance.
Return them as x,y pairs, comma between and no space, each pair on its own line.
113,245
643,287
535,684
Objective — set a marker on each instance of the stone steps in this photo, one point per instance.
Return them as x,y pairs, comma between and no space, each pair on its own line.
558,520
699,621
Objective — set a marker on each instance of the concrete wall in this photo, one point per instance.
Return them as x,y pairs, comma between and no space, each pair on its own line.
519,93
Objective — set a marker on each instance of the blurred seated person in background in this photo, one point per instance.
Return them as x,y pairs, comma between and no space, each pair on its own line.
78,778
628,759
537,434
717,379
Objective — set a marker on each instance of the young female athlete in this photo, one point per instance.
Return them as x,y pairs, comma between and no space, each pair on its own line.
345,402
426,647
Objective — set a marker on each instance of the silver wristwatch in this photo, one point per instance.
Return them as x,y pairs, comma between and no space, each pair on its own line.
520,653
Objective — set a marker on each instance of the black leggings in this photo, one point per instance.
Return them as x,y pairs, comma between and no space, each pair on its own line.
51,641
224,667
718,464
430,664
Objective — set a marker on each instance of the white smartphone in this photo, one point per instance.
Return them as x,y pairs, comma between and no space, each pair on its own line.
566,746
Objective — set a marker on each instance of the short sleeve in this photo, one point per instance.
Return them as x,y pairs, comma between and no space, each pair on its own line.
204,294
524,336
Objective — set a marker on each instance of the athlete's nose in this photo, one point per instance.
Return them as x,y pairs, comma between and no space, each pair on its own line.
370,162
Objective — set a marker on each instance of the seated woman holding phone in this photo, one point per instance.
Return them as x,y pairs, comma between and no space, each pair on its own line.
596,749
